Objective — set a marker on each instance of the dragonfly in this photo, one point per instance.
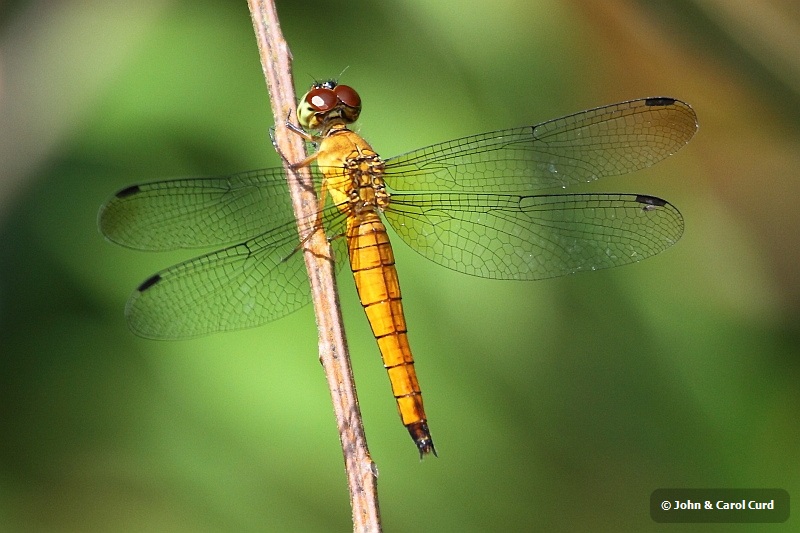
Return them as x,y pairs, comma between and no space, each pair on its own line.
475,205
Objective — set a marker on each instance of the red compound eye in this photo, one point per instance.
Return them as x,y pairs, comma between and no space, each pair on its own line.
321,99
347,95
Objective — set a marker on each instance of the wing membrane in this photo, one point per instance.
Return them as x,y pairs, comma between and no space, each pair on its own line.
605,141
534,237
241,286
198,212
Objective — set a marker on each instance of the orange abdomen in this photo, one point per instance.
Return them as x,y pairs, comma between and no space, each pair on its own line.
372,262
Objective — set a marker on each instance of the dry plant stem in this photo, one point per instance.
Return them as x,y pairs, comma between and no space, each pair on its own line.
361,471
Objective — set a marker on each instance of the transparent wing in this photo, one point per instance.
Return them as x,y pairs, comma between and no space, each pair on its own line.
605,141
198,212
534,237
244,285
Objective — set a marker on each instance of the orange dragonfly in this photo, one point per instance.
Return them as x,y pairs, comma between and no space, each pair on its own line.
469,207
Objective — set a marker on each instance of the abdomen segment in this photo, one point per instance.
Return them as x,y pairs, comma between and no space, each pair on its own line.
372,262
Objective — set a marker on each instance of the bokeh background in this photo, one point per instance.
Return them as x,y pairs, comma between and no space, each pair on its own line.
555,406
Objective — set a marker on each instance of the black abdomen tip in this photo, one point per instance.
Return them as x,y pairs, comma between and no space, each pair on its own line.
422,438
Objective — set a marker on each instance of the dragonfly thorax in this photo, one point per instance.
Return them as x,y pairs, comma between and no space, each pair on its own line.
352,171
367,188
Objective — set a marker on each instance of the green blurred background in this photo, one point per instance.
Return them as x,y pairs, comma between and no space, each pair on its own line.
555,406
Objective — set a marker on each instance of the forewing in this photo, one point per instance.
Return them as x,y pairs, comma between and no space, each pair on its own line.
605,141
197,212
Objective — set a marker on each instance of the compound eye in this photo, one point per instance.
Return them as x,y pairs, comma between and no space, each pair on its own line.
321,99
347,95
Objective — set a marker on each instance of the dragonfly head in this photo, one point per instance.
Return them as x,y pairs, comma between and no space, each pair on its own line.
327,103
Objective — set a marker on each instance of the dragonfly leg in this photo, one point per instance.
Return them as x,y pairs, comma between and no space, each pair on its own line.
275,142
291,126
304,162
298,131
318,226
